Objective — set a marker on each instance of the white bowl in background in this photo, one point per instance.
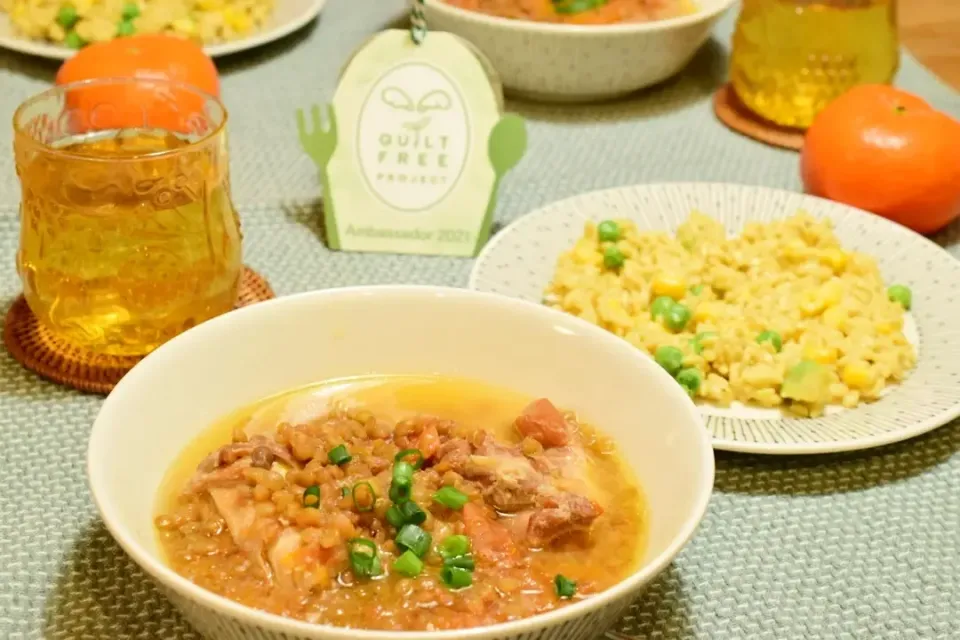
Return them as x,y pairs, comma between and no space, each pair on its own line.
213,369
580,63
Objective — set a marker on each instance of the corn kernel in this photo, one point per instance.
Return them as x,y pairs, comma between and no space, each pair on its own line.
835,317
669,285
208,5
586,255
237,20
795,249
612,311
705,312
184,26
858,375
823,355
886,327
831,293
835,258
811,303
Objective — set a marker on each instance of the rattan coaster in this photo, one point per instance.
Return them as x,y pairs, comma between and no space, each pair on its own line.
33,346
733,113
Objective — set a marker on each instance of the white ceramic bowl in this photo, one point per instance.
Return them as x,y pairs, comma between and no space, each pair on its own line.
573,63
219,366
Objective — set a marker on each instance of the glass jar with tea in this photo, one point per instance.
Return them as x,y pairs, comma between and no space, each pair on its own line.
792,57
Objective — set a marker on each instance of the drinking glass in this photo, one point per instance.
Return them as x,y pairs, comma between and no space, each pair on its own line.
128,232
793,57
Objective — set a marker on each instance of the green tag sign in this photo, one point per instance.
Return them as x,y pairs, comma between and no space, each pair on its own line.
413,147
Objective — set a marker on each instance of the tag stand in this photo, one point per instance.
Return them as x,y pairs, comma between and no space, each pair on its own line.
413,147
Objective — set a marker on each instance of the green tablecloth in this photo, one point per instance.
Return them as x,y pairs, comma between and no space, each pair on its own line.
854,546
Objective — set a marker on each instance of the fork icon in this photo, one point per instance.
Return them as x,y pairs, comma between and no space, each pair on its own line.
320,142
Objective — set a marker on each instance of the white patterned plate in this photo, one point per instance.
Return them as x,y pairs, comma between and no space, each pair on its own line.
519,262
288,16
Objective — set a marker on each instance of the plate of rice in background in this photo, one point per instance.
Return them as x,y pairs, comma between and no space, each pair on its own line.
56,29
798,325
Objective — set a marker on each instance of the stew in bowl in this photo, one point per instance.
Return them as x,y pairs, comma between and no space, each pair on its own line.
404,504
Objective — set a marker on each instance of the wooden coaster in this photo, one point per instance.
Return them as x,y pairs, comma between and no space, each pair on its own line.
37,349
737,116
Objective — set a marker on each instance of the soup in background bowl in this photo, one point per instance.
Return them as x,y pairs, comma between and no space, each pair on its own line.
609,51
581,11
380,367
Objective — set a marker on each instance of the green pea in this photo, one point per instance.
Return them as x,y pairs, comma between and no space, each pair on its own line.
126,28
74,41
697,342
67,16
696,289
613,257
902,295
661,306
772,337
608,231
670,358
690,380
130,11
677,317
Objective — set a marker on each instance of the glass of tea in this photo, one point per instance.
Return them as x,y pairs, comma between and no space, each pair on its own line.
793,57
128,233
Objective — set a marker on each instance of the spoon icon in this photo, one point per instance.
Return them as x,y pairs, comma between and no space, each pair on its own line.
505,147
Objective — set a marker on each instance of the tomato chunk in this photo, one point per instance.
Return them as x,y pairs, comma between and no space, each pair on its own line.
490,539
544,423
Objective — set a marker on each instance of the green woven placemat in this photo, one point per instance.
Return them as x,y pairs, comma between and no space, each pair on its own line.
842,547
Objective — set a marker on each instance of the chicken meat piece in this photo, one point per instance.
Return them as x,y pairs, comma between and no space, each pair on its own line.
548,495
262,450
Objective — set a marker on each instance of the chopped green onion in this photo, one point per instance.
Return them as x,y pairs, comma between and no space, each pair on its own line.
399,493
339,455
402,481
395,517
413,538
696,289
364,496
403,473
408,564
311,497
451,498
453,546
461,562
406,453
570,7
364,559
345,491
456,578
566,588
412,513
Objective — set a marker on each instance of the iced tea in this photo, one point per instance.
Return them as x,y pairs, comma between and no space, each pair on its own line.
128,233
